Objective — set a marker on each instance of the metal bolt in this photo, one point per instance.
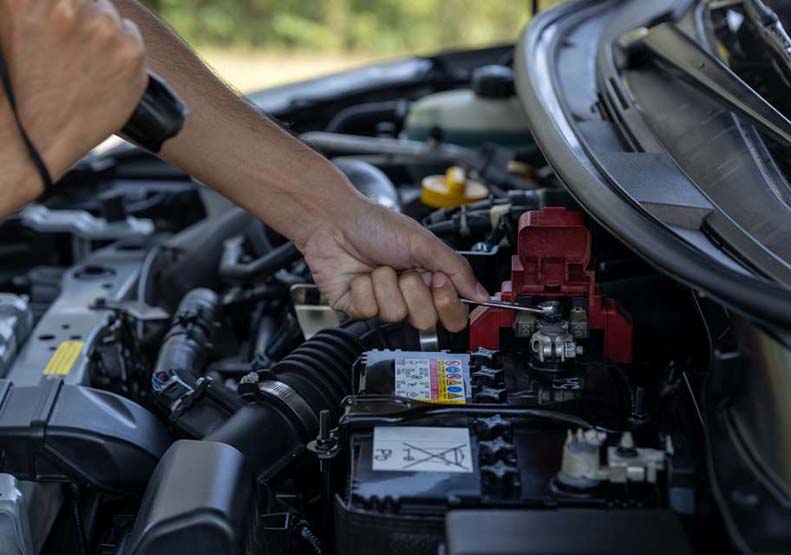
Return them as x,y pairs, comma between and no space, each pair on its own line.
324,440
550,308
324,424
639,402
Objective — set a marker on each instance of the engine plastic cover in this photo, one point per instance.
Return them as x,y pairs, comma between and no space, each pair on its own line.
58,432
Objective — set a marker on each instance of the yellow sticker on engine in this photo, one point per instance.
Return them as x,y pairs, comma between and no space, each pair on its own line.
62,360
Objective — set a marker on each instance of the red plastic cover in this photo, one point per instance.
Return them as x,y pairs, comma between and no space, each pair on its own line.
553,260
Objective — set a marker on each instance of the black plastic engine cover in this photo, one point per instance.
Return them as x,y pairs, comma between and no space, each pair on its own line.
198,502
58,432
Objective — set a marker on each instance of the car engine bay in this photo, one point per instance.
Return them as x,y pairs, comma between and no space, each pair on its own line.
172,381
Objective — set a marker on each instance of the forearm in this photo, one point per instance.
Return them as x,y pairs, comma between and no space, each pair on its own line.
232,148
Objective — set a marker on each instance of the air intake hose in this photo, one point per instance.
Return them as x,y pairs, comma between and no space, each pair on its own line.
196,404
276,410
285,401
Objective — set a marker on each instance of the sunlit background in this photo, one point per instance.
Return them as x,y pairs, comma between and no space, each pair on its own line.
258,43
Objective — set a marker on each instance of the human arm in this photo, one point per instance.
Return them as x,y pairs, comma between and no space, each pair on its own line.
355,249
77,70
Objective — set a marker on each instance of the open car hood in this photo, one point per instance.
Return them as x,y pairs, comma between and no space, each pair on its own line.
607,130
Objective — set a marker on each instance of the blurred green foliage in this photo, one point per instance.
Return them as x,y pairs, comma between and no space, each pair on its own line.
387,26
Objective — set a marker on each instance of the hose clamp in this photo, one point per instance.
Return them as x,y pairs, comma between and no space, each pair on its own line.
292,402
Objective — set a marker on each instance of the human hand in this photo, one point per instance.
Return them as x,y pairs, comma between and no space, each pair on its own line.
77,69
356,265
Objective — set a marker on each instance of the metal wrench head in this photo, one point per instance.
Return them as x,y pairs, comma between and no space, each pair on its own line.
549,308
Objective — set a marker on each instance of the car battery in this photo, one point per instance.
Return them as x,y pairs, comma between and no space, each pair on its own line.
407,472
431,432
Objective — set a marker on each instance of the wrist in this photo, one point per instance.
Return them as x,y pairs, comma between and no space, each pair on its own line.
59,144
56,150
328,206
331,222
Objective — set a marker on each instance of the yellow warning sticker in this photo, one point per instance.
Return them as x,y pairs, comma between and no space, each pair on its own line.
63,359
431,379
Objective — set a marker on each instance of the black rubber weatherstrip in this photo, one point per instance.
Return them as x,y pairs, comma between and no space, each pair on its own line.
35,157
554,132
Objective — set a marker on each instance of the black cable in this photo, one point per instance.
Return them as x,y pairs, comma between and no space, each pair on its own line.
413,411
276,259
35,157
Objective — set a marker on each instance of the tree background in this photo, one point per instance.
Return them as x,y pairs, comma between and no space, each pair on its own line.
370,26
254,44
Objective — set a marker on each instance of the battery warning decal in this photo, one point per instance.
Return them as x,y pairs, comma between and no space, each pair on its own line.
421,449
431,379
62,360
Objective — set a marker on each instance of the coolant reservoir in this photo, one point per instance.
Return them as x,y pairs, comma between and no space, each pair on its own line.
489,112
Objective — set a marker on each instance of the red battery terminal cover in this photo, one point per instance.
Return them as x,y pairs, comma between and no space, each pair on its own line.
553,260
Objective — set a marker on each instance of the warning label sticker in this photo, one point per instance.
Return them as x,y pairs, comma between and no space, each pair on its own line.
63,359
431,379
422,449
